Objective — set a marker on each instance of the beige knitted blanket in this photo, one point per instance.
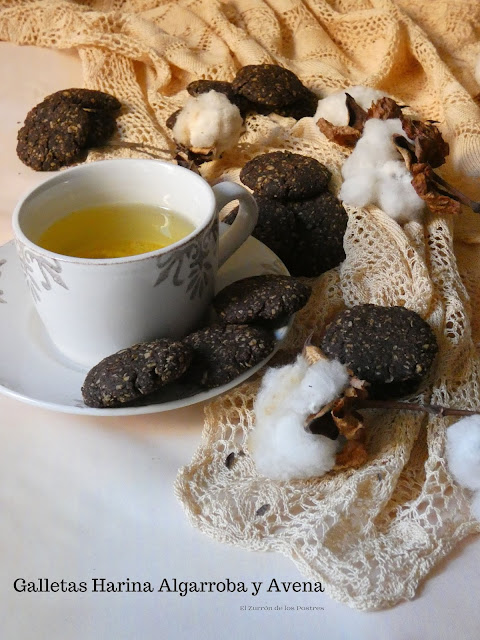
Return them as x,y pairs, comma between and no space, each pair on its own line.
369,535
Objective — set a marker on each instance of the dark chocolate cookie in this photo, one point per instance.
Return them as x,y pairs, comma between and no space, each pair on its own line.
268,84
285,175
392,348
86,98
224,351
102,127
133,373
197,87
265,297
307,235
320,224
54,135
60,130
275,226
305,107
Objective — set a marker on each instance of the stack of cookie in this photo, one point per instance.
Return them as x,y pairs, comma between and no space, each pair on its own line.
299,219
269,88
248,312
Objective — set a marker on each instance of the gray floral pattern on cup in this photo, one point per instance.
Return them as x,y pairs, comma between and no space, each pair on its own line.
50,271
2,262
199,270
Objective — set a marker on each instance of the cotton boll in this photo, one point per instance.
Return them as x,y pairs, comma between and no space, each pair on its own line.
463,452
376,140
363,160
375,173
360,189
333,107
208,122
279,444
323,382
374,148
277,384
285,451
301,387
395,193
365,96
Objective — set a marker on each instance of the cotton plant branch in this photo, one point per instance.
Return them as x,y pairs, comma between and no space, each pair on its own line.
458,195
180,154
433,409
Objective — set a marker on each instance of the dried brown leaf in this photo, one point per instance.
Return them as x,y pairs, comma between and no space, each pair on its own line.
189,159
339,418
406,150
437,200
353,455
322,424
358,388
313,354
349,422
429,144
357,115
350,425
384,109
345,136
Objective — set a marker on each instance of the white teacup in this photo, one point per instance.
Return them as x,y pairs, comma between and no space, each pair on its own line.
94,307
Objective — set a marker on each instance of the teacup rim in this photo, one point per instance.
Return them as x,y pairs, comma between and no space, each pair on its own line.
21,238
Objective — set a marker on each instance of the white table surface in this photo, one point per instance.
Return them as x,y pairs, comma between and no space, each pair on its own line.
85,497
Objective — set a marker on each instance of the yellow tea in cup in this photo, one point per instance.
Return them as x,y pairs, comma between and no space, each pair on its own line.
115,231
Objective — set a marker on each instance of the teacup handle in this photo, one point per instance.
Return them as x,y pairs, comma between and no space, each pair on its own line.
244,223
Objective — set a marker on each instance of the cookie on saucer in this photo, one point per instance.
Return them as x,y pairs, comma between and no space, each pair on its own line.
135,372
224,351
87,99
265,298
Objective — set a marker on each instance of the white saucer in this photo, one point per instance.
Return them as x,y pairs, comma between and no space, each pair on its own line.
32,370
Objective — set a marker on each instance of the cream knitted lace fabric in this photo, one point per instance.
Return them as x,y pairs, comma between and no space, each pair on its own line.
369,535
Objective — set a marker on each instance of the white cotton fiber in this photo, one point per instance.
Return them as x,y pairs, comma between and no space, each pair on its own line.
463,452
375,173
359,187
395,194
279,444
208,122
333,108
